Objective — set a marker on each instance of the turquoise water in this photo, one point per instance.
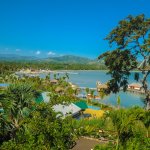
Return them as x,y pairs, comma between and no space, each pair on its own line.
93,107
89,79
4,84
128,99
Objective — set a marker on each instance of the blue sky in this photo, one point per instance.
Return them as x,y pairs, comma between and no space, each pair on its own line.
45,28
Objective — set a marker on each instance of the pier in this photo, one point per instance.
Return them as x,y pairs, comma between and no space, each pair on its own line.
83,88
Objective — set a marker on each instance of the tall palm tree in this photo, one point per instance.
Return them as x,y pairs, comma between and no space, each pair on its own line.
87,90
92,93
118,101
17,101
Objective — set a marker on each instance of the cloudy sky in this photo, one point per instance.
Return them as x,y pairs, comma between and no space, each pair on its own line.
57,27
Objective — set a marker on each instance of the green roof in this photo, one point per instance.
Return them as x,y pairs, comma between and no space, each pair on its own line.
39,99
81,104
1,110
44,97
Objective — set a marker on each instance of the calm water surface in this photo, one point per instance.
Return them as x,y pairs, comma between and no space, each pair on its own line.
89,79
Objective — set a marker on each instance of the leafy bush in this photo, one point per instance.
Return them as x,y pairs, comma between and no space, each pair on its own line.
43,130
108,146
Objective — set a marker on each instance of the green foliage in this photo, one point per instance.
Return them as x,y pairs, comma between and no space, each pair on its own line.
102,93
104,147
130,130
134,144
43,130
118,101
101,105
123,124
92,92
89,127
138,144
61,98
27,125
8,68
17,97
128,124
131,40
87,90
17,102
119,63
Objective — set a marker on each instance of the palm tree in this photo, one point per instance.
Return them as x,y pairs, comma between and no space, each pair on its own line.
17,101
124,122
92,93
47,78
76,91
87,92
118,102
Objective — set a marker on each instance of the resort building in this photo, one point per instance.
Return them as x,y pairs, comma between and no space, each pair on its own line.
66,110
90,96
81,104
101,86
135,86
44,97
59,89
81,95
54,81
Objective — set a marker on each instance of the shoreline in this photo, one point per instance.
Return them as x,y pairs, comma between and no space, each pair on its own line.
64,71
90,70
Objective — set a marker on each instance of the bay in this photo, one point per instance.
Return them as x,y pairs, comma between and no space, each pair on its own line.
89,79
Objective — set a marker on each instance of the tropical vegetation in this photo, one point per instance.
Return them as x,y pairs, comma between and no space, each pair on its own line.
131,43
26,123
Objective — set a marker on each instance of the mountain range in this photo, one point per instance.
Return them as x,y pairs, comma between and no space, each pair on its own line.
60,59
70,59
14,57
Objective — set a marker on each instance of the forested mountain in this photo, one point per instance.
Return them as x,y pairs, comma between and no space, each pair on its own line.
14,57
71,59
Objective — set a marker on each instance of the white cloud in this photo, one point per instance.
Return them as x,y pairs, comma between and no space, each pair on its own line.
38,52
51,53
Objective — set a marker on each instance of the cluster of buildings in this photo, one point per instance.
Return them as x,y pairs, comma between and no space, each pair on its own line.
78,109
135,87
31,72
34,71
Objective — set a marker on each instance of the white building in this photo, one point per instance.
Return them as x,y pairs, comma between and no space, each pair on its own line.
66,110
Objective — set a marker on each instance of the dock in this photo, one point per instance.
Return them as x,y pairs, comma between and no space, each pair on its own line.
83,88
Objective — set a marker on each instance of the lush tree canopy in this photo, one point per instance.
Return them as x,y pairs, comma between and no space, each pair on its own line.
131,43
26,124
43,130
